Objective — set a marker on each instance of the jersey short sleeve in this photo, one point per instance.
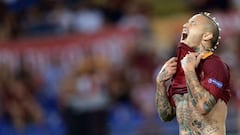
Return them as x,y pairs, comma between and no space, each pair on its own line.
216,78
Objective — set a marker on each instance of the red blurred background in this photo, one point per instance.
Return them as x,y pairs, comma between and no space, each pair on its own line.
87,67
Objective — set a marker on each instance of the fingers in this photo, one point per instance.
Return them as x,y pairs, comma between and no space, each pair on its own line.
191,61
168,69
171,60
194,53
198,56
172,70
173,64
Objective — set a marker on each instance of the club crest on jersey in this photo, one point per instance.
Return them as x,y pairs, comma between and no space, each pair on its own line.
215,82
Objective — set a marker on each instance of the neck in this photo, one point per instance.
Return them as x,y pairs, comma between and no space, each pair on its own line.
203,48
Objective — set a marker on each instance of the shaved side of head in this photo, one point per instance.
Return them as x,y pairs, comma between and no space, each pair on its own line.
212,27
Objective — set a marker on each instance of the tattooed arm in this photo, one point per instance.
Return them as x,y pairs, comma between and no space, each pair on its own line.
164,108
201,98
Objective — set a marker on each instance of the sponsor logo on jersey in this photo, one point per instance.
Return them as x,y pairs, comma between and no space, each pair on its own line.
215,82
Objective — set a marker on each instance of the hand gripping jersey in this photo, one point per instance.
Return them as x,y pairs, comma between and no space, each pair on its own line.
212,73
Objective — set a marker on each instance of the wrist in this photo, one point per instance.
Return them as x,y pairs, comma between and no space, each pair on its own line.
189,69
160,82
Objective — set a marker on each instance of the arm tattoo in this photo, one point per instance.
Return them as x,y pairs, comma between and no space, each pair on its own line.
163,75
164,108
201,98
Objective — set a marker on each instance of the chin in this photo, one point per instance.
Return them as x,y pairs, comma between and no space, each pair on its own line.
183,41
187,43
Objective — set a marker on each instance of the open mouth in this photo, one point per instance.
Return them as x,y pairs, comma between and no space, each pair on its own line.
184,36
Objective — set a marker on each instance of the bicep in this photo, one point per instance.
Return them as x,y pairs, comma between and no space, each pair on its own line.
208,102
215,83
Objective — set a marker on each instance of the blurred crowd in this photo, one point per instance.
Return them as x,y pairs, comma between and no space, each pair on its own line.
94,96
21,18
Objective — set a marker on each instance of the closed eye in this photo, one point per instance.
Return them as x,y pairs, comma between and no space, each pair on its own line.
192,22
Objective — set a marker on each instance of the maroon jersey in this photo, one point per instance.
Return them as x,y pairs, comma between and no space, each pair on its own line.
214,76
212,73
178,84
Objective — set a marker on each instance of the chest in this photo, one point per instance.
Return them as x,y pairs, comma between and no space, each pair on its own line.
186,113
190,120
183,108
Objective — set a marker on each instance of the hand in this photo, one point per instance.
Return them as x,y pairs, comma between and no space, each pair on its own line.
191,61
168,70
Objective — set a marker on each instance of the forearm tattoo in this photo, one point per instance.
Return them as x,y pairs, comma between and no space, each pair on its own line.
163,75
201,98
164,108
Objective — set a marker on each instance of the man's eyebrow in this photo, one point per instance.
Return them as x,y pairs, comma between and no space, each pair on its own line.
191,21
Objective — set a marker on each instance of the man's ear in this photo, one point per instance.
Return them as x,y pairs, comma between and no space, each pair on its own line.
207,36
